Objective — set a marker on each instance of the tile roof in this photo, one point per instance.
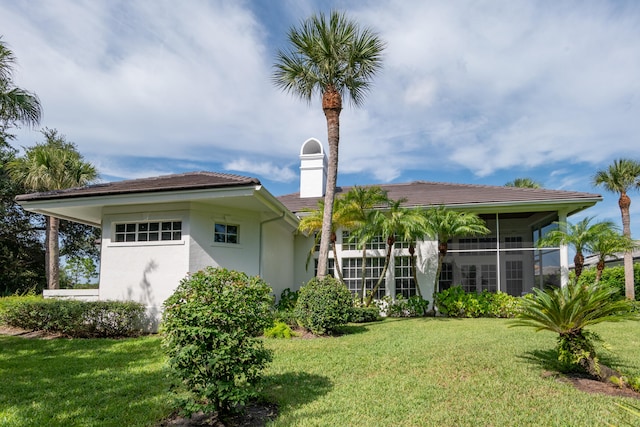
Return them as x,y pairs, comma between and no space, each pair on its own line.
422,193
184,181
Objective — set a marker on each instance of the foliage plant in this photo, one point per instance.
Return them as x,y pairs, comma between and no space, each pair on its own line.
568,311
279,330
288,299
323,305
210,328
455,302
78,319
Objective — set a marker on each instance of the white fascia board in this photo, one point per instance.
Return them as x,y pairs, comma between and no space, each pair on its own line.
276,206
575,205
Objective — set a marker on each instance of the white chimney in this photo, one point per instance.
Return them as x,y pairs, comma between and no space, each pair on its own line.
313,169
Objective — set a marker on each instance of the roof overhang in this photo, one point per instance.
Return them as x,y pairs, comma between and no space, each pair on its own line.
89,209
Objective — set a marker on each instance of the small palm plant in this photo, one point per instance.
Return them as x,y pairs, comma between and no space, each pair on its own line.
568,311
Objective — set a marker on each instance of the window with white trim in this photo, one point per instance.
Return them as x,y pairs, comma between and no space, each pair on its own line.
148,231
351,242
488,278
446,276
226,233
352,273
514,275
405,284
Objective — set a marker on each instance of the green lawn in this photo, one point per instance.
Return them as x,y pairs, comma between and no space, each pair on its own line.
414,372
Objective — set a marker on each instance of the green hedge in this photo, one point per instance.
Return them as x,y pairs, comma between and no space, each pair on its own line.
78,319
614,277
455,302
323,305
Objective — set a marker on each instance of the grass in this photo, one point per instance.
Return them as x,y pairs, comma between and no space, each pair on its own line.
400,372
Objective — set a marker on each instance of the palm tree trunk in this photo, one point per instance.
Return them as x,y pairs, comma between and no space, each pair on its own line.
52,253
387,261
624,203
414,269
336,261
578,262
363,274
443,248
331,105
599,270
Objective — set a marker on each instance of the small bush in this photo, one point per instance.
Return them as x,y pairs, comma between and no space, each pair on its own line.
455,302
286,316
279,330
210,327
364,314
78,319
323,305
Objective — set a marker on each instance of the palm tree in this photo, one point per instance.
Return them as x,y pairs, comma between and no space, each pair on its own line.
312,223
331,56
523,183
580,235
619,178
359,203
446,224
16,104
54,165
567,311
608,244
397,223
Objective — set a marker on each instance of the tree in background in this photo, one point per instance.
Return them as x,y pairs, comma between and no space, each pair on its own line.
581,236
622,176
331,56
523,183
53,165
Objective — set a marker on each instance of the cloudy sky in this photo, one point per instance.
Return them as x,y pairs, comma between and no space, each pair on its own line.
471,91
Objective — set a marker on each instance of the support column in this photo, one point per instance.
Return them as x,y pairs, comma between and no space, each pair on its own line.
564,252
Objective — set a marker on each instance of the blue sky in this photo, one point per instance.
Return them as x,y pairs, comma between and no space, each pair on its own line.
471,91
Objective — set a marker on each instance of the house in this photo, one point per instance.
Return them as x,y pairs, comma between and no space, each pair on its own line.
157,230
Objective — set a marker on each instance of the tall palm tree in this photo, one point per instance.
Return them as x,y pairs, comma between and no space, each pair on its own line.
312,223
622,176
581,236
396,223
16,105
523,183
608,244
54,165
331,56
359,203
446,224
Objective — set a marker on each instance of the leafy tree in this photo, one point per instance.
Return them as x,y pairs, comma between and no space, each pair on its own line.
396,223
567,311
16,105
360,202
331,56
608,244
21,250
523,183
210,328
622,176
581,236
53,165
446,224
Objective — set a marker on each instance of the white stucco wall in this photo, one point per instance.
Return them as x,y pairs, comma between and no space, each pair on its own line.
277,263
144,272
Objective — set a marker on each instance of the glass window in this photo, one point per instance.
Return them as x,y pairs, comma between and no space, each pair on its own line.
446,276
226,233
514,277
352,273
405,284
148,231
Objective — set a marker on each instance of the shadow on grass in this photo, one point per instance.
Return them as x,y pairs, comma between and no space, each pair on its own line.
81,382
292,389
352,329
548,360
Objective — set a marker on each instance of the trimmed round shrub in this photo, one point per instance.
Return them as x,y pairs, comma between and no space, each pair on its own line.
364,314
210,327
323,305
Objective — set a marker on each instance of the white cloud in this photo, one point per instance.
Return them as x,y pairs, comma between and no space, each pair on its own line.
265,169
